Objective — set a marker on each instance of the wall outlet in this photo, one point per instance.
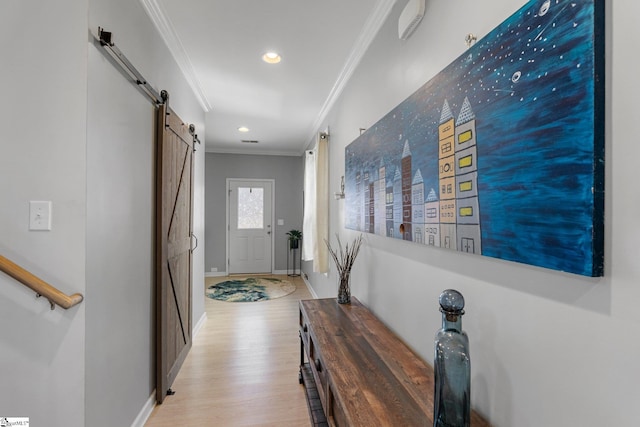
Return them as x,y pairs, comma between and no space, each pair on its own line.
214,269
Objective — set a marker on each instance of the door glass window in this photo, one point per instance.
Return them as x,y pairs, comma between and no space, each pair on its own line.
250,208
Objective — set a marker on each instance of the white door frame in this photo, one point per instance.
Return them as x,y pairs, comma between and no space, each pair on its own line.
273,208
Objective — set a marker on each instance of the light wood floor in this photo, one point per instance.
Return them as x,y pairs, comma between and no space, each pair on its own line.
242,369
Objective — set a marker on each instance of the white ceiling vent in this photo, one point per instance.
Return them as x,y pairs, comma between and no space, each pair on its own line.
410,18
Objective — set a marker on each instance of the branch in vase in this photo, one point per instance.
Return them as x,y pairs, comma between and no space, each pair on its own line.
344,261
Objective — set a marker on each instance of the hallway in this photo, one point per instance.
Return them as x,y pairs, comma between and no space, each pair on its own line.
242,369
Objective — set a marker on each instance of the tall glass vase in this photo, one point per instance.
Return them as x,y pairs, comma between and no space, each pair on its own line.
344,288
452,367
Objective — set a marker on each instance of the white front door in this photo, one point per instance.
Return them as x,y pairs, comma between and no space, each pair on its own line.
249,228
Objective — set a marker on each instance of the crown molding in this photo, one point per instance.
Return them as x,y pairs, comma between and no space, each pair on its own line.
287,153
375,21
162,23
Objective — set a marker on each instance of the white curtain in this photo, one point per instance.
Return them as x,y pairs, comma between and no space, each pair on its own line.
316,206
309,204
320,251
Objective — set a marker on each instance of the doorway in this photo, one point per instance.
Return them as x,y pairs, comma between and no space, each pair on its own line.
249,225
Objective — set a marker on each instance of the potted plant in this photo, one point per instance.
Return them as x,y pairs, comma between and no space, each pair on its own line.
294,238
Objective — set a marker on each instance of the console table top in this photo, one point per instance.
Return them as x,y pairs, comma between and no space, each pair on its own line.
371,368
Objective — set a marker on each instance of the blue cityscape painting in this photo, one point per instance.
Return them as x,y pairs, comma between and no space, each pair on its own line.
502,153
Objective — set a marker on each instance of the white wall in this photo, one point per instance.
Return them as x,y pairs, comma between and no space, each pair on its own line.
547,348
76,133
120,349
42,157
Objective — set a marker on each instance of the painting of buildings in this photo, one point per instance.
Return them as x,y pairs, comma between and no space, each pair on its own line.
500,154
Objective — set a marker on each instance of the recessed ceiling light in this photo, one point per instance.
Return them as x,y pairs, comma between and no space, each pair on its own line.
271,58
243,129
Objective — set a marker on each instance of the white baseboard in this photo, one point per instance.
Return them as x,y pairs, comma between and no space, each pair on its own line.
199,325
306,282
215,273
224,273
146,411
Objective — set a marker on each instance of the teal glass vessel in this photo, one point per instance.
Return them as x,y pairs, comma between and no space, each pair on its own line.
452,367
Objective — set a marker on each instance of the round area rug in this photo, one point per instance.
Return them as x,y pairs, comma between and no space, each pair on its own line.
250,289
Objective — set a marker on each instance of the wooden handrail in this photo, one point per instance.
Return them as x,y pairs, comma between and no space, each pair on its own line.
41,287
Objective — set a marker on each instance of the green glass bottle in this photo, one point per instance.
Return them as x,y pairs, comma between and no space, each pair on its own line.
452,367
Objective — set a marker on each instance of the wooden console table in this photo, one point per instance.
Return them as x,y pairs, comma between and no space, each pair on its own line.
359,373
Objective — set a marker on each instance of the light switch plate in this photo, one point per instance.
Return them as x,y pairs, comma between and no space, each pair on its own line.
40,215
281,222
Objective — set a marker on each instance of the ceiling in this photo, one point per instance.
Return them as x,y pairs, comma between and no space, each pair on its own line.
219,44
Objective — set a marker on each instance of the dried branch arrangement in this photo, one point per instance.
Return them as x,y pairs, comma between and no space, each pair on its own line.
344,259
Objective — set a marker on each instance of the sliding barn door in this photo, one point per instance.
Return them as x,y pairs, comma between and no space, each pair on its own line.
174,200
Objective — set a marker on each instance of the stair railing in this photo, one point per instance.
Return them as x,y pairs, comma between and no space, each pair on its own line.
39,286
